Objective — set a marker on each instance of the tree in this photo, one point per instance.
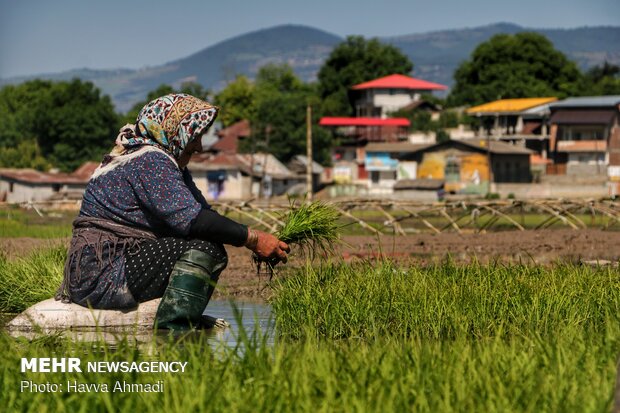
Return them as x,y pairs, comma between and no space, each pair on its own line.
278,115
514,66
236,101
26,154
70,121
354,61
19,105
602,80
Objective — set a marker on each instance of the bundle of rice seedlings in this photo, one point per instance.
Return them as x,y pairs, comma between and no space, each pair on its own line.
311,227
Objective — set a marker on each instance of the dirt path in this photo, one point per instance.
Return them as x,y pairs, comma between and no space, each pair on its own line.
240,281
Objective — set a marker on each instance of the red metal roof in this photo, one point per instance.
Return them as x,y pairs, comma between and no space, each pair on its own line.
40,178
229,137
86,170
333,121
399,82
80,176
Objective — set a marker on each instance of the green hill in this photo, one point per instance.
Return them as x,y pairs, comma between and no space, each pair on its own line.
435,56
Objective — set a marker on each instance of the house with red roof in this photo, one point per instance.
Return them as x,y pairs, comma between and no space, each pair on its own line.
229,137
379,97
29,185
373,102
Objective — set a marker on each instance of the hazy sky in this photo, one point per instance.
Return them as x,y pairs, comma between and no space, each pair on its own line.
43,36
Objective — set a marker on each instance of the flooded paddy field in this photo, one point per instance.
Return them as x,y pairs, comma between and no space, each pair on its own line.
506,321
372,336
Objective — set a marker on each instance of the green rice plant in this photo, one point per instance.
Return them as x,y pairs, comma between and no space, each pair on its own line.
445,301
312,226
570,372
20,223
27,280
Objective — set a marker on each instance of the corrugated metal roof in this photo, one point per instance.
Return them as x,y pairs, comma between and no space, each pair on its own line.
496,147
399,82
588,101
301,161
340,121
509,105
229,137
86,170
80,177
572,116
221,161
422,184
394,147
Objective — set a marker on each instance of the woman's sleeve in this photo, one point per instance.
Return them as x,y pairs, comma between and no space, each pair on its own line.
211,226
160,189
189,181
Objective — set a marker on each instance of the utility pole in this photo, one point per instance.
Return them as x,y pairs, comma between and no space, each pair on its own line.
252,163
309,153
489,161
266,154
489,158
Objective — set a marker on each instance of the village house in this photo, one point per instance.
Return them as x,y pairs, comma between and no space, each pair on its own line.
299,165
373,102
29,185
384,167
221,172
380,97
229,137
522,121
234,176
353,134
585,138
463,165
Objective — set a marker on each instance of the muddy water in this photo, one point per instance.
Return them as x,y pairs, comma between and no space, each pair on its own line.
252,318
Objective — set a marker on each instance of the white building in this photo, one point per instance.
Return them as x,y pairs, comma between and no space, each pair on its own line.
379,97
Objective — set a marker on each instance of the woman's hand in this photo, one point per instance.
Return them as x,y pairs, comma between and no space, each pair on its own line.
266,246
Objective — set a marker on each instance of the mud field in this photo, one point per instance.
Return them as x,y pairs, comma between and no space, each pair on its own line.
240,279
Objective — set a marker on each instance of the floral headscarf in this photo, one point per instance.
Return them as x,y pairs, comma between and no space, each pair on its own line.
169,123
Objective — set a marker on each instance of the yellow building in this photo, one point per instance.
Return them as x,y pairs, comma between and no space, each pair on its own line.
464,165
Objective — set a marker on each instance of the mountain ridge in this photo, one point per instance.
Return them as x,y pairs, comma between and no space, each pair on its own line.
435,55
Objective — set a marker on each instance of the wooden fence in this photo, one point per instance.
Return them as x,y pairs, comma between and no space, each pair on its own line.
402,218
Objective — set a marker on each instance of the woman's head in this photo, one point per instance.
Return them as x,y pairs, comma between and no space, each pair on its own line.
171,122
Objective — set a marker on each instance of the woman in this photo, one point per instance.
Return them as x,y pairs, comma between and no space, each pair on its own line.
145,231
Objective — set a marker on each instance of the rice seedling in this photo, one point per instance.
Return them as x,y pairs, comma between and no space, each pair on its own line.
368,336
19,223
445,301
572,372
27,280
311,226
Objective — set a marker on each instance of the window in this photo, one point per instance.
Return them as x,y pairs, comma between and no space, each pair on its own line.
11,186
374,177
582,133
452,169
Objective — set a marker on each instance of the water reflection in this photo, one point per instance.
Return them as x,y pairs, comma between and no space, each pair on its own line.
249,318
252,317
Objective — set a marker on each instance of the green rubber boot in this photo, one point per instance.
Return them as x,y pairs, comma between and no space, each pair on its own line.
192,281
